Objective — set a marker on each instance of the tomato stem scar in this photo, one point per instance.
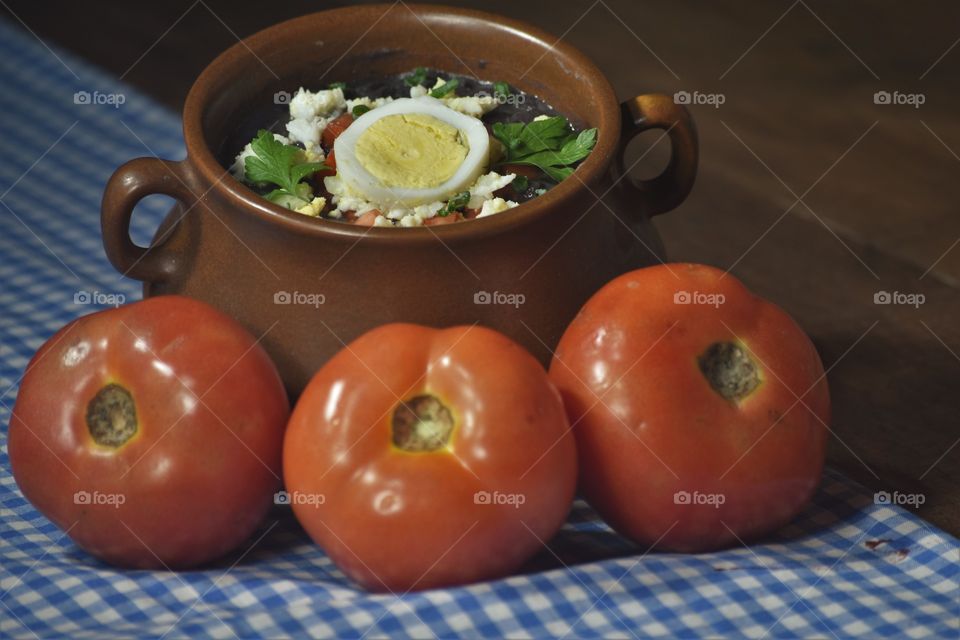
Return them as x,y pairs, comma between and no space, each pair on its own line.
729,370
422,424
112,416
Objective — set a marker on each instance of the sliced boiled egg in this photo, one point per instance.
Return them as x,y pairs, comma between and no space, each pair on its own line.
410,152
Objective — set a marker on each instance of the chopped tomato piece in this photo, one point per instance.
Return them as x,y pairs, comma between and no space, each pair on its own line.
317,178
334,129
437,220
367,218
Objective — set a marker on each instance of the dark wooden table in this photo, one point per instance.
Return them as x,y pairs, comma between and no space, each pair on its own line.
813,194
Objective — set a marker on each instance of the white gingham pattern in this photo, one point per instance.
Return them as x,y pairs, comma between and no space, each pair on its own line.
845,568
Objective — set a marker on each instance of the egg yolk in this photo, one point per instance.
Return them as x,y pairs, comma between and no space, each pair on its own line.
411,150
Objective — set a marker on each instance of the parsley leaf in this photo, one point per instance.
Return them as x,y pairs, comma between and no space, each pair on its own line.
338,85
445,88
279,164
547,144
520,184
418,76
454,204
359,110
501,89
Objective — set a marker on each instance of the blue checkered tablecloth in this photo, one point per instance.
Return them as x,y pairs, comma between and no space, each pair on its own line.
846,568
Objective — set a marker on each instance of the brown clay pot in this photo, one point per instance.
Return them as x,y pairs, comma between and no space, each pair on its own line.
309,286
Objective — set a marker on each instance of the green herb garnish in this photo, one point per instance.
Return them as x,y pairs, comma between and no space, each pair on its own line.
520,184
445,88
280,164
454,204
547,144
501,89
419,76
359,110
338,85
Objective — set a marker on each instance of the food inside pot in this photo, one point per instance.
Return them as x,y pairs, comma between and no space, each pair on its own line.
419,148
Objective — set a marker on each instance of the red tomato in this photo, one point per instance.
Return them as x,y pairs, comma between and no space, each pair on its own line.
366,219
151,433
683,391
419,458
440,220
316,179
334,128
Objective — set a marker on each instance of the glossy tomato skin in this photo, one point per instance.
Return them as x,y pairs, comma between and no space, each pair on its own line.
199,474
397,520
664,458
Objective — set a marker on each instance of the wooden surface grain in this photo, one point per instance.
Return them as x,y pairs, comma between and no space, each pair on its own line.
813,194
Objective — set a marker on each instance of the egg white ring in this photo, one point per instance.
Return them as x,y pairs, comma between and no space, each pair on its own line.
362,182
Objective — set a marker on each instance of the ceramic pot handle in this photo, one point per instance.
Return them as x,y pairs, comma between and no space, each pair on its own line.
128,185
670,188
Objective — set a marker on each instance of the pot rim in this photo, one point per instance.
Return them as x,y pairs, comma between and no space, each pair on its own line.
234,60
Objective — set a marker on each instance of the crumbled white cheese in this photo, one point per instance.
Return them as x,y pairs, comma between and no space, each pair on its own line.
306,105
424,211
314,155
313,207
343,198
238,167
474,106
380,221
307,131
311,112
485,185
496,205
367,102
396,213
